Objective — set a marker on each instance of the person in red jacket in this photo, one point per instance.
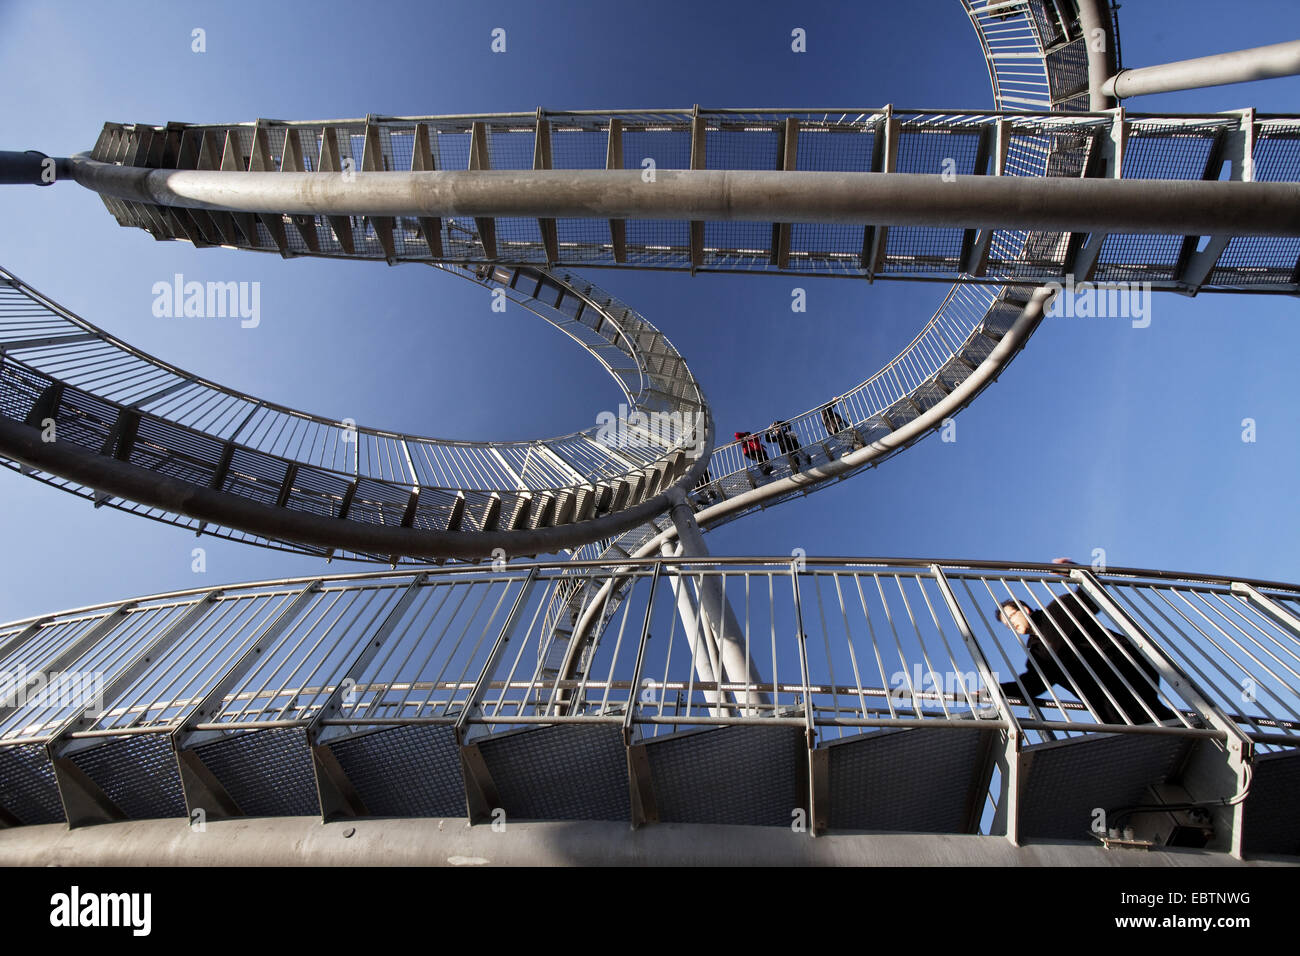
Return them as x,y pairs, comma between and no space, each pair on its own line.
752,448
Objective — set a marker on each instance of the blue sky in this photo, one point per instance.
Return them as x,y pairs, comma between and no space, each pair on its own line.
1098,436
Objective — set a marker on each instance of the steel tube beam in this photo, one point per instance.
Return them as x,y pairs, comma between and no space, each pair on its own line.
125,480
1175,207
1239,66
1094,23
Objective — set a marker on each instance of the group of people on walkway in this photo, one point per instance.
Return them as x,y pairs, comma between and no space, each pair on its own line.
787,443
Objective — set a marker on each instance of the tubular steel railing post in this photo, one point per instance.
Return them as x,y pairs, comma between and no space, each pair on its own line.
1008,808
818,809
640,788
1239,749
498,647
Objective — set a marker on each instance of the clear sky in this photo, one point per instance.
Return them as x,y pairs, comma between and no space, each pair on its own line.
1098,436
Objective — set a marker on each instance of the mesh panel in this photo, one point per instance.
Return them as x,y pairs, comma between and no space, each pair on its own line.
405,772
560,773
138,774
740,775
27,787
898,780
268,773
1067,781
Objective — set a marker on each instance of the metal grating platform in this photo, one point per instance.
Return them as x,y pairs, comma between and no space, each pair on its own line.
406,771
1271,823
907,780
27,788
138,773
1066,780
268,773
740,775
560,773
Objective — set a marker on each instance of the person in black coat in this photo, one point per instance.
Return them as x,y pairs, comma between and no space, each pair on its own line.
1072,636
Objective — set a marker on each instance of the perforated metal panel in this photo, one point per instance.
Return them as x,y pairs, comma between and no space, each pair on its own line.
741,775
913,780
1271,823
560,773
27,788
138,774
268,773
1067,780
405,772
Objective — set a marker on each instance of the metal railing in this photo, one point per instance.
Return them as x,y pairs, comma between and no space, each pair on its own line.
187,427
835,646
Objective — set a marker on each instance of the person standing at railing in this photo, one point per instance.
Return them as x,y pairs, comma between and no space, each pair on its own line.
1072,635
704,488
753,449
780,434
837,427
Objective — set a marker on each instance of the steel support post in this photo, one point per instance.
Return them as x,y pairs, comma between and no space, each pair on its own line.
732,647
1094,22
481,798
1007,817
640,787
818,765
1238,748
704,654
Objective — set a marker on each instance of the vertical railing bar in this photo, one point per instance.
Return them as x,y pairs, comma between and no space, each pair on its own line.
363,635
848,640
297,628
633,697
499,706
943,637
898,644
1030,662
239,606
433,687
920,640
810,725
378,696
465,588
476,695
875,649
1186,661
1236,609
826,641
1229,637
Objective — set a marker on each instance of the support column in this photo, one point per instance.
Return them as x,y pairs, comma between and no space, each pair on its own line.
737,666
703,651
